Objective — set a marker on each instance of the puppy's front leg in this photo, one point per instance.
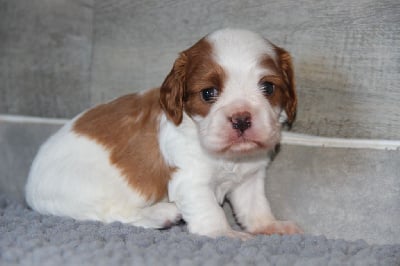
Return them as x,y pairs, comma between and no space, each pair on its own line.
252,209
200,209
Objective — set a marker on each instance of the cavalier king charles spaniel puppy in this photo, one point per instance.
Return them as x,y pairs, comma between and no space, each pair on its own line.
177,152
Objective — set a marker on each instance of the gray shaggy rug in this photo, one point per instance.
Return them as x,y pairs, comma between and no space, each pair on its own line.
28,238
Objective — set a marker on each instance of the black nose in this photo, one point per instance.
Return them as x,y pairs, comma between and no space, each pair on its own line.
241,121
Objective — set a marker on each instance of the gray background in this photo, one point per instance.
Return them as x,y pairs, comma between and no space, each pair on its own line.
58,57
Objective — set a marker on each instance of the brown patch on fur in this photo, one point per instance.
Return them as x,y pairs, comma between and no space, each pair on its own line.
193,71
290,97
172,90
128,128
285,93
269,63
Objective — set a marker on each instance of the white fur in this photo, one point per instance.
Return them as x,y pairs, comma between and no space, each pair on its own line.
203,181
72,175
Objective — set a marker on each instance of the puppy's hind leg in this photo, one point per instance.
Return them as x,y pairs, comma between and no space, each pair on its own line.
159,215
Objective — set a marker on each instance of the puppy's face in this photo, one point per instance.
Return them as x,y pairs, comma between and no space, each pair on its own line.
237,87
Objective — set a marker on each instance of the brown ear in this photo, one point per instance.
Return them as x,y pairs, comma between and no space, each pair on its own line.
172,90
290,103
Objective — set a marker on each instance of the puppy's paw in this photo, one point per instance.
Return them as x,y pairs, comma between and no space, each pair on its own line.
170,214
174,219
159,215
238,234
232,234
280,228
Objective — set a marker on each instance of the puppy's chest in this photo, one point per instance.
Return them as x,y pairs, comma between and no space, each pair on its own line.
229,175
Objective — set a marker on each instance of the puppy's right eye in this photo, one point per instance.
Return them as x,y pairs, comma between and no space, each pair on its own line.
209,95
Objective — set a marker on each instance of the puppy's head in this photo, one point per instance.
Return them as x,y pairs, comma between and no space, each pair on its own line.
237,87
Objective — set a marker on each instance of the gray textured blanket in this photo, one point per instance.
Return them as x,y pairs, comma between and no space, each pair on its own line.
28,238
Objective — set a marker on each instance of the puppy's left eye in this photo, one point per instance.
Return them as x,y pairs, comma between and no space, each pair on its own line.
268,88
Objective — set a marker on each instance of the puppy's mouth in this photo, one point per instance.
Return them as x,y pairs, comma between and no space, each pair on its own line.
243,145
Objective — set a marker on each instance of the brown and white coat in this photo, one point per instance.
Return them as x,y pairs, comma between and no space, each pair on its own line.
152,158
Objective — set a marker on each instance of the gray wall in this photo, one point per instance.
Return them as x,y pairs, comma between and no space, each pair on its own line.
45,56
59,57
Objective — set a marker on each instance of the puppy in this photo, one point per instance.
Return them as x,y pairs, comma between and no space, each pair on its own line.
152,158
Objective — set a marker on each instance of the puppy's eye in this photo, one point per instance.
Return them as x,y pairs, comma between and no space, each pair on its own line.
209,95
267,88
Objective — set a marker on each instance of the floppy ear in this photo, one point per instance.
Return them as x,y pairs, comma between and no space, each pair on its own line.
173,89
290,103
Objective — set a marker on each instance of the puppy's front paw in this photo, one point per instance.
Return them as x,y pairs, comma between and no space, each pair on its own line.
280,228
232,234
237,234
